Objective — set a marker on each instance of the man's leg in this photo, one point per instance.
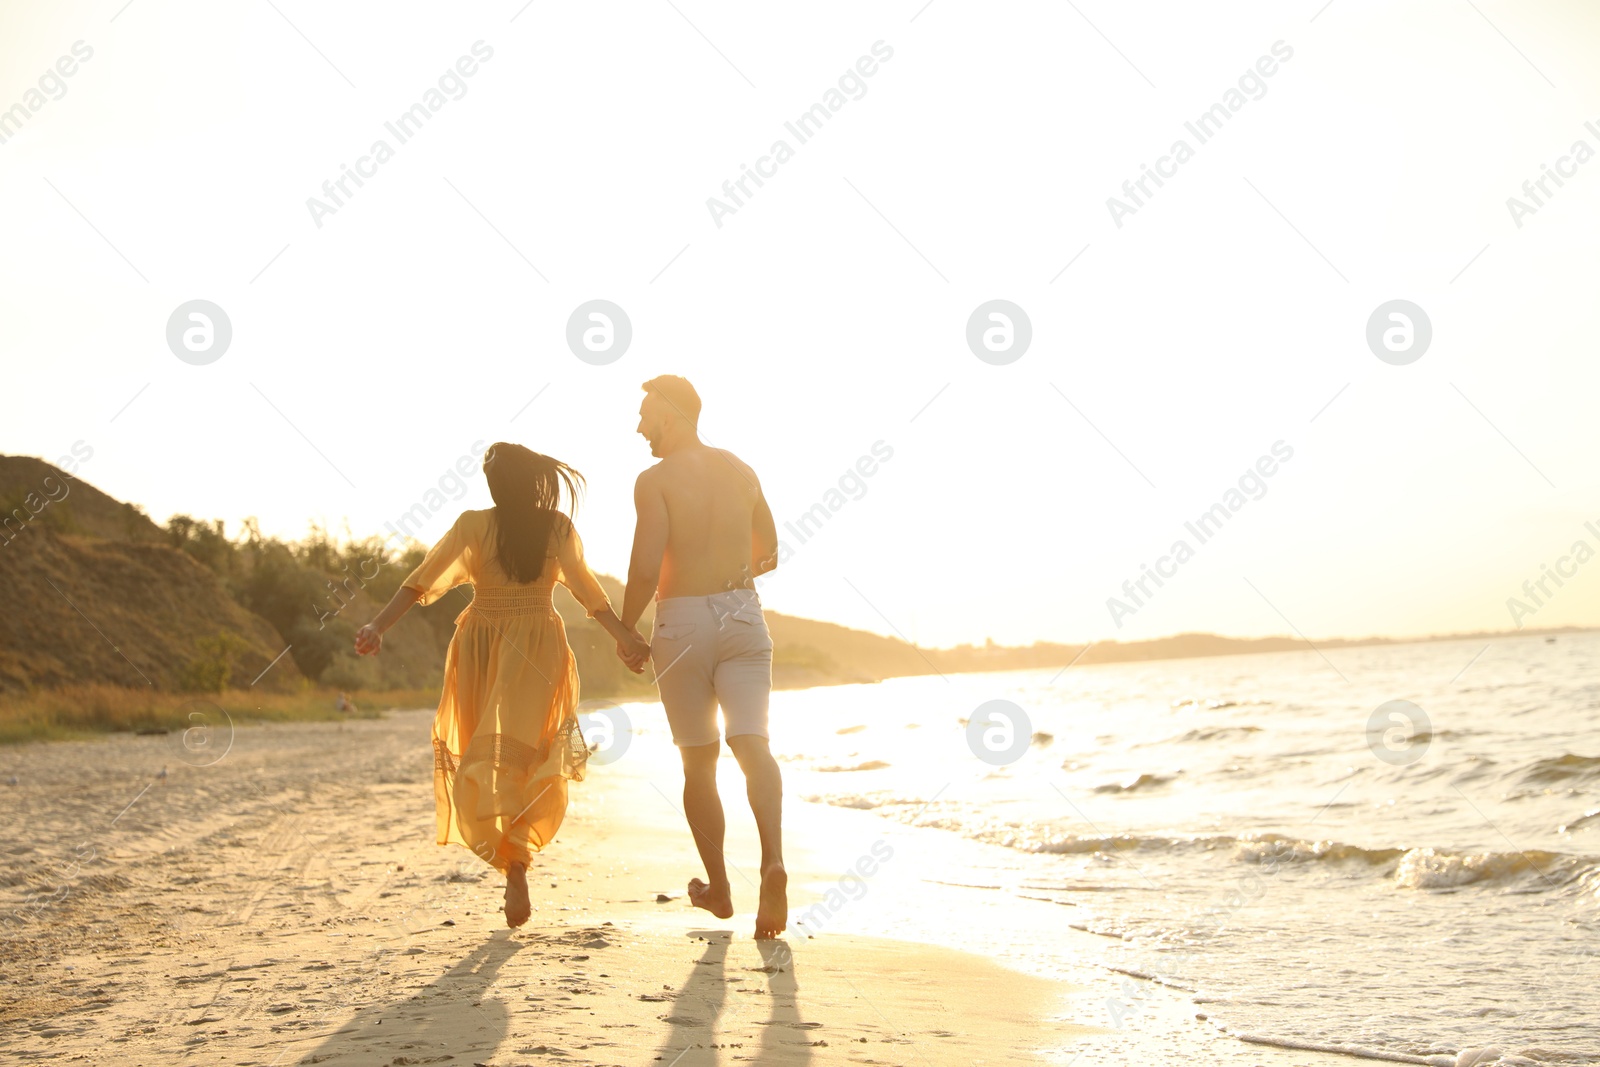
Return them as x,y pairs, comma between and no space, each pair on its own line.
684,652
764,787
703,808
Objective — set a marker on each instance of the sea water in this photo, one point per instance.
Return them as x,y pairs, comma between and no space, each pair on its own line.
1244,830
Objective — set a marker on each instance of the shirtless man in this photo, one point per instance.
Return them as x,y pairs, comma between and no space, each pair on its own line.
704,532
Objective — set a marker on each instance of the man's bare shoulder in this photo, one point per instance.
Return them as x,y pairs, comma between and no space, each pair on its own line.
738,464
651,475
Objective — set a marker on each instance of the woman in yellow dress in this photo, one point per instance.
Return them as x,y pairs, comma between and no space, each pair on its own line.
505,737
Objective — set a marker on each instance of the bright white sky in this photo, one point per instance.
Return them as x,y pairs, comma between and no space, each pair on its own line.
829,311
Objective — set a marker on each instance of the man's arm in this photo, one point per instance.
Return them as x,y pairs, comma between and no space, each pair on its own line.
649,546
763,537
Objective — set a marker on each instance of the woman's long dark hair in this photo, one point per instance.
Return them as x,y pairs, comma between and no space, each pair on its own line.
526,488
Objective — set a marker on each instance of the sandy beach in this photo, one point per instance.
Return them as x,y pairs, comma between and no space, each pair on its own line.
286,904
271,894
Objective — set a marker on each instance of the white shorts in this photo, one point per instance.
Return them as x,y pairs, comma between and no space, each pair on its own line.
710,650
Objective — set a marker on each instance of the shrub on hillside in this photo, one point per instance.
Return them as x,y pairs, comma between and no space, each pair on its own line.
212,666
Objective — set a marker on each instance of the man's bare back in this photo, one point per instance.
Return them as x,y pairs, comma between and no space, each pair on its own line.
711,498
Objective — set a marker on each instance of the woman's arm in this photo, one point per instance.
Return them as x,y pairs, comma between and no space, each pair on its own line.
581,582
369,639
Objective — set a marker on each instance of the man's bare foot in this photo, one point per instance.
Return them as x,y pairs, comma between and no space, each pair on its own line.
772,916
718,902
518,909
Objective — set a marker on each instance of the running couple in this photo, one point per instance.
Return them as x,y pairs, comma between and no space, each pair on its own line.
506,738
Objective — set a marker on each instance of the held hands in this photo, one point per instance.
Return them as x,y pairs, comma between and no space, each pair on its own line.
633,650
369,639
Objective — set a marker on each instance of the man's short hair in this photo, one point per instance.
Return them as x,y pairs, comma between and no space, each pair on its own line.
677,391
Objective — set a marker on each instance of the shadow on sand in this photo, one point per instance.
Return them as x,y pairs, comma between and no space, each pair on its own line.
714,1010
432,1025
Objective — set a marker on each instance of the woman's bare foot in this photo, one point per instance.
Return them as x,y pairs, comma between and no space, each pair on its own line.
518,909
772,916
717,900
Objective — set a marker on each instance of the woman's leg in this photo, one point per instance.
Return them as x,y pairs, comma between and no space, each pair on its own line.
518,907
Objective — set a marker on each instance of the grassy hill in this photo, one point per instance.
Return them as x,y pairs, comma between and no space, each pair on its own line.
97,597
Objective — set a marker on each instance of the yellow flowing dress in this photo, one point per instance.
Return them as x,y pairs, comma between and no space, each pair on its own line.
505,737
